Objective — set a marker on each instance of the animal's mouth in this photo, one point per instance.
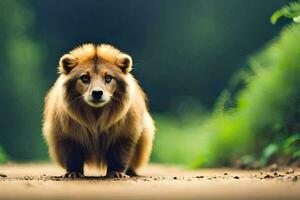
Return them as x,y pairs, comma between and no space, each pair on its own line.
97,103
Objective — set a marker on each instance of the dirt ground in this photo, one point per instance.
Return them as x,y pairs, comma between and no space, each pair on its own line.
43,181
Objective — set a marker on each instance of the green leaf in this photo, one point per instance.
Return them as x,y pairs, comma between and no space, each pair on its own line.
291,144
268,152
291,11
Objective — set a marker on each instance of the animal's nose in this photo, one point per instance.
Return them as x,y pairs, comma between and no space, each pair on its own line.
97,94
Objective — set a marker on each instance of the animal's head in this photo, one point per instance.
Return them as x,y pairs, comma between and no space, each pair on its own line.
95,73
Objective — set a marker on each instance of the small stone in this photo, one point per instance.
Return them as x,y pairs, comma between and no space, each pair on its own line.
3,175
274,167
290,171
175,177
236,177
199,176
268,176
278,175
225,174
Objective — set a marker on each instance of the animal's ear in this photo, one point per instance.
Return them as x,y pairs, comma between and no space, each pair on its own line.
66,63
124,61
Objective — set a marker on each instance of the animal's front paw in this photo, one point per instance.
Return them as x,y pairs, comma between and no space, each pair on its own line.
130,172
73,175
114,174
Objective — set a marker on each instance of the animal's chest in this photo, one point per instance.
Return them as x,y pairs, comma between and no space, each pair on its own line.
94,145
90,139
94,141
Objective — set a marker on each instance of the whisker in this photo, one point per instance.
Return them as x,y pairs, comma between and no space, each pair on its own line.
115,98
75,100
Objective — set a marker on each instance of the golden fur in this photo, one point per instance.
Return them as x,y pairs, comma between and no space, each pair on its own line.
118,134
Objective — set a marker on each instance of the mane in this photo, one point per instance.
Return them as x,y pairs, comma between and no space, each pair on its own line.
90,51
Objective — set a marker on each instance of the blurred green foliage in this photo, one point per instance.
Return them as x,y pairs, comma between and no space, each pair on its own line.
177,139
22,86
256,120
264,120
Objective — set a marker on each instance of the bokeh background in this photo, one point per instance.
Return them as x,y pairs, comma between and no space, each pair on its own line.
215,73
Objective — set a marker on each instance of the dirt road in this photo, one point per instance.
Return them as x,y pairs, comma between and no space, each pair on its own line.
42,181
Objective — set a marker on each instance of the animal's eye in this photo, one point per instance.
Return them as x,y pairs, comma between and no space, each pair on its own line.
85,79
108,78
